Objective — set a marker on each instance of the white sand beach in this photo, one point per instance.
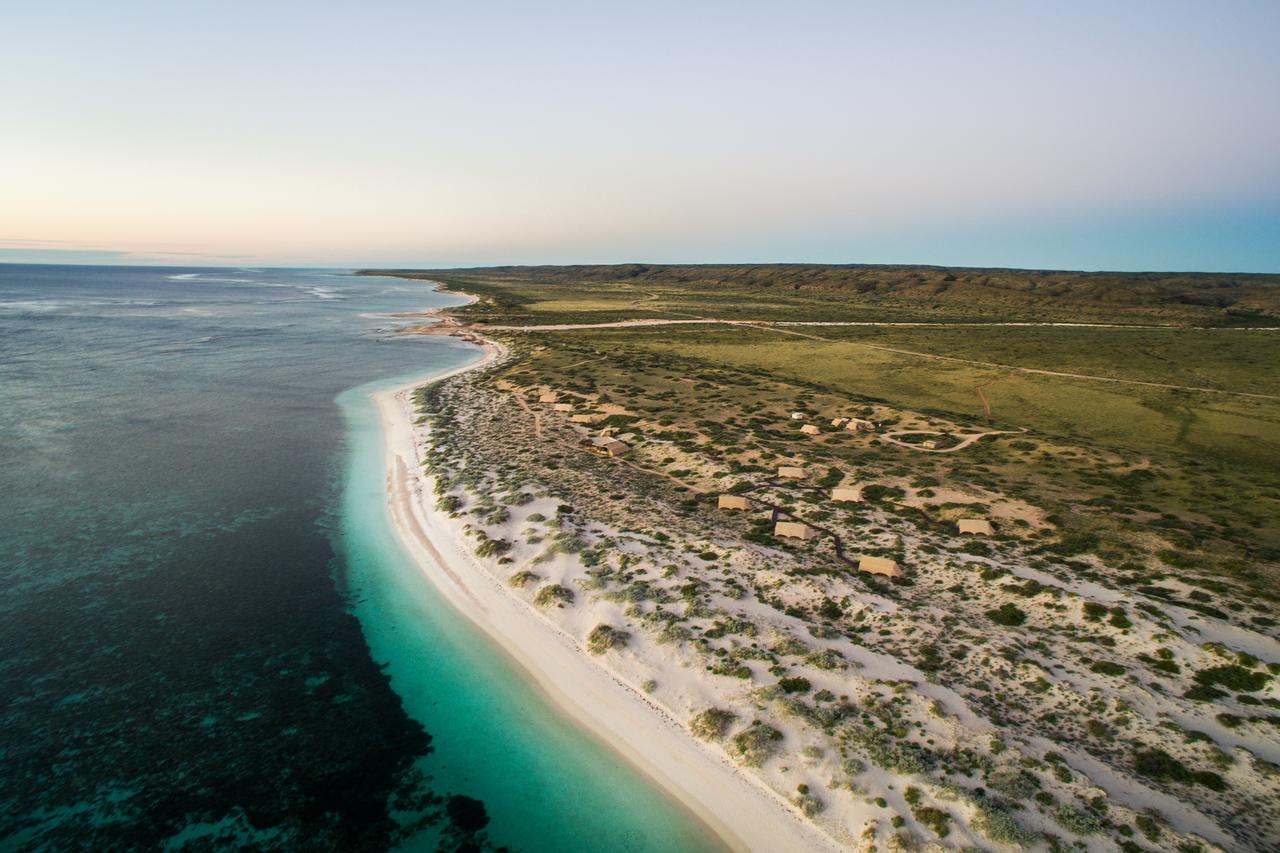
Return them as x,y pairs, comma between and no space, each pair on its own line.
735,805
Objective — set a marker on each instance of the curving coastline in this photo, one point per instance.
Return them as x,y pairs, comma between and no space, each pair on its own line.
738,809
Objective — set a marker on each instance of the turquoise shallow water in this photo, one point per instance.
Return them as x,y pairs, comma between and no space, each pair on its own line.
555,789
199,590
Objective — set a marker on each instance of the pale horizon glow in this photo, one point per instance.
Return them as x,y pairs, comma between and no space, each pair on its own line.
1091,135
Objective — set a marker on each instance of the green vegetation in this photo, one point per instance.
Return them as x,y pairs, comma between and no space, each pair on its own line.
1106,667
553,594
756,743
1164,497
807,802
491,547
1213,452
1007,614
1232,677
934,818
996,823
1160,765
1206,458
712,724
604,638
1075,820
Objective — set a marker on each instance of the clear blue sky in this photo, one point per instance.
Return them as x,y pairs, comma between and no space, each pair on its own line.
1083,135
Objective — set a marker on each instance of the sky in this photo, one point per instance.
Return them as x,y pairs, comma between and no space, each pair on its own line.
1082,135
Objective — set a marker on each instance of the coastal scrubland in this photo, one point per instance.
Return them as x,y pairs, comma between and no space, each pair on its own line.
1099,671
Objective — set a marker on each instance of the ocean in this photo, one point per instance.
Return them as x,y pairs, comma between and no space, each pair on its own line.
209,636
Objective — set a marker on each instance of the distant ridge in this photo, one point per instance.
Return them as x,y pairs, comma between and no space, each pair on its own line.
1171,297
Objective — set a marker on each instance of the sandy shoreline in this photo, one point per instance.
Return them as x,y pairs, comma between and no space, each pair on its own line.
736,807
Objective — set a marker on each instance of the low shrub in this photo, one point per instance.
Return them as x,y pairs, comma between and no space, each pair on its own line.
555,594
997,824
1160,765
757,743
1076,821
492,548
1106,667
603,638
826,659
807,802
1008,614
797,684
712,724
1232,677
936,819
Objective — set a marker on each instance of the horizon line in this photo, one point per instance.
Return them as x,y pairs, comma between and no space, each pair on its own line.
358,269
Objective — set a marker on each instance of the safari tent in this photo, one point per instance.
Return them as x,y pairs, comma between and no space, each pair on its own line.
879,566
606,446
794,530
976,526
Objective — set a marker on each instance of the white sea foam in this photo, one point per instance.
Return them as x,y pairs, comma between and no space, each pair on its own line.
322,292
33,305
52,305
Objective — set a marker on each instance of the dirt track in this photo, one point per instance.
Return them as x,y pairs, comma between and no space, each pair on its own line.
965,440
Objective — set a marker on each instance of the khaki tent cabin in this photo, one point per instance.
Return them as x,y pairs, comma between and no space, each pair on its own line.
855,424
608,446
733,502
976,526
930,445
839,422
548,397
810,429
797,416
563,407
879,566
847,495
794,530
792,473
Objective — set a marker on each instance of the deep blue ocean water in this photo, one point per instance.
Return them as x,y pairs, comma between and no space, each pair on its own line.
209,637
